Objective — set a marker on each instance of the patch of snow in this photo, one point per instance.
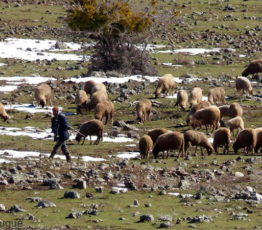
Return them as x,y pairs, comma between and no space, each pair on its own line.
30,108
2,64
22,154
8,88
211,139
172,96
173,193
32,80
31,50
190,51
4,161
242,55
46,134
128,155
204,98
170,64
119,80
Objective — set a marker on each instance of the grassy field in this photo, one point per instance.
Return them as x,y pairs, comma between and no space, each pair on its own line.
196,18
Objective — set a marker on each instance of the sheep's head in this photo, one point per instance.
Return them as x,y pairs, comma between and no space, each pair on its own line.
155,152
245,73
42,102
210,149
235,147
78,138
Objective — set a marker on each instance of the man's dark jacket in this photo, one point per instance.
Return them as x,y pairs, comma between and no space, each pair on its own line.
60,127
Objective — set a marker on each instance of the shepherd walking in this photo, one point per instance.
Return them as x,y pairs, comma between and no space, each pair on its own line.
60,127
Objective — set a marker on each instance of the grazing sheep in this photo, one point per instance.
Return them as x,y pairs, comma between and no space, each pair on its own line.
222,138
3,113
88,86
243,84
165,83
259,139
155,133
104,109
99,87
143,110
196,138
224,111
216,95
96,98
93,127
235,110
195,96
43,94
145,146
168,141
254,67
194,108
182,99
235,123
81,101
247,139
207,116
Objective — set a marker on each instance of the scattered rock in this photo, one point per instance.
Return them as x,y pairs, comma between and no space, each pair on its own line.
146,218
72,195
46,204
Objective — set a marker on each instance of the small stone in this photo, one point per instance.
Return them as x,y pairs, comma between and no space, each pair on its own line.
46,204
136,213
99,189
72,195
146,218
16,208
81,184
239,174
165,225
74,215
148,205
2,207
136,203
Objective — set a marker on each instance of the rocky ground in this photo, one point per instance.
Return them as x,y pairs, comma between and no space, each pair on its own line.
108,186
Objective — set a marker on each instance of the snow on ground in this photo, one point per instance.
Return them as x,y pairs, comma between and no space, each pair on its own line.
211,140
30,108
2,64
121,80
14,82
128,155
170,64
31,50
47,135
8,88
31,154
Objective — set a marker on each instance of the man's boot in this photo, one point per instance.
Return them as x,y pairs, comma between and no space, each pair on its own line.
52,155
68,157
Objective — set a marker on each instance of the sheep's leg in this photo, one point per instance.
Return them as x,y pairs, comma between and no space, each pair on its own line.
90,140
195,149
106,118
202,151
167,154
83,140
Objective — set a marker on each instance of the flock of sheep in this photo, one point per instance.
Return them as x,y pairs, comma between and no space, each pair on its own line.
202,113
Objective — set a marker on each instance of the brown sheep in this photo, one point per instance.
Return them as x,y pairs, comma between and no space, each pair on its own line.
216,95
195,96
235,110
254,67
104,109
243,85
224,111
155,133
207,116
235,123
98,87
168,141
96,98
81,101
3,113
89,128
165,83
194,108
259,139
143,110
196,138
222,138
182,99
88,86
145,146
247,139
43,94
